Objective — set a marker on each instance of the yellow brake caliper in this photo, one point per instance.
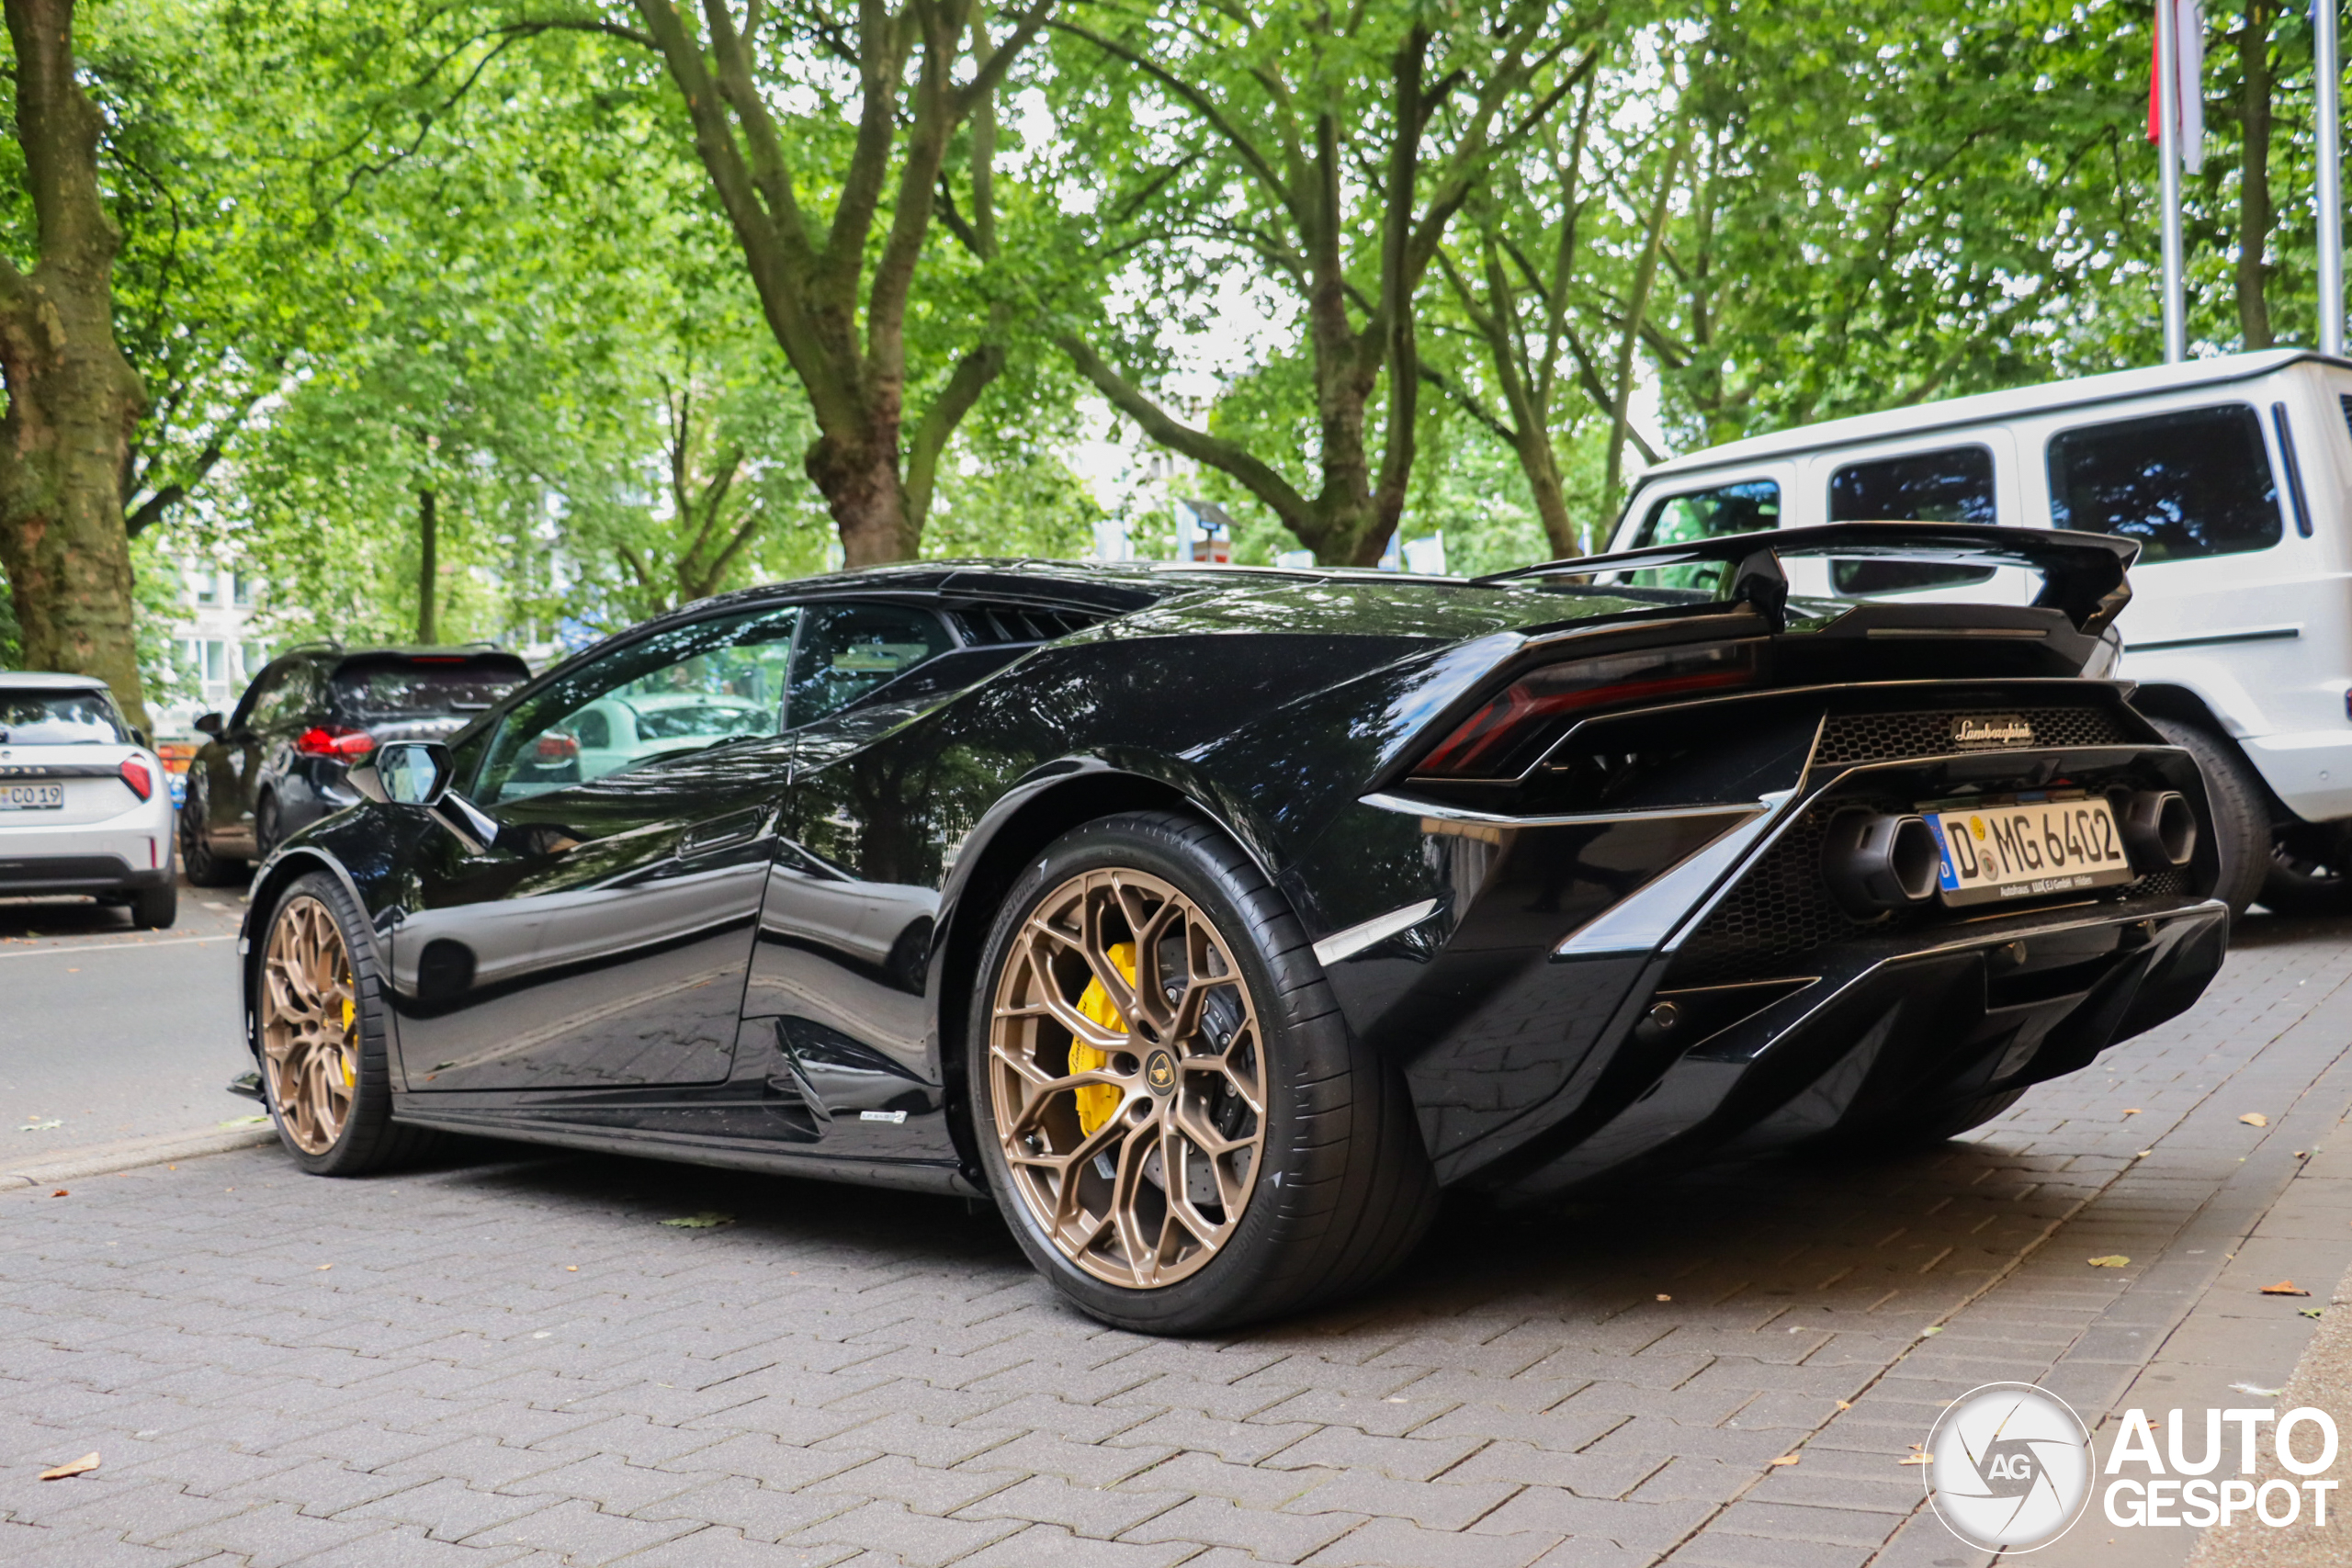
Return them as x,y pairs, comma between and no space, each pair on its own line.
1098,1103
350,1011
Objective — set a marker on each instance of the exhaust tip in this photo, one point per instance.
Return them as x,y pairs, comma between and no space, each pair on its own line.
2159,829
1874,860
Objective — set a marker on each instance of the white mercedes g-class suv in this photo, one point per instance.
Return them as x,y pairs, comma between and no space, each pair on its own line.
2234,473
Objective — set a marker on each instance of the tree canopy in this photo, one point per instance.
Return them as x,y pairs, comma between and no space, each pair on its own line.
522,318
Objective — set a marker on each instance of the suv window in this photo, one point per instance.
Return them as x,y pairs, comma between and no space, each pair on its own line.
681,690
281,694
1750,506
1954,485
848,650
2189,484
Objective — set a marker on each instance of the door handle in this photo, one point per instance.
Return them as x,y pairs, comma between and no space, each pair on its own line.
719,832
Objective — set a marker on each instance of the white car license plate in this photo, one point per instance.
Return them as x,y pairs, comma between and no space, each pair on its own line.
2028,849
32,797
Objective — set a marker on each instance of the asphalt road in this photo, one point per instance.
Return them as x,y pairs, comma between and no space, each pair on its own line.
112,1033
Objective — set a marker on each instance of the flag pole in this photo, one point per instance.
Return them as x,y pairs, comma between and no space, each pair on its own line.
2330,180
2169,151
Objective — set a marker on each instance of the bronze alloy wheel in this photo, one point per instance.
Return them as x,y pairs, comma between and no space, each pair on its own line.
309,1030
1127,1078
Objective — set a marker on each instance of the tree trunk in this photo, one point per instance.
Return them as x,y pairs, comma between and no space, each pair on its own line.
2254,175
860,483
72,398
428,565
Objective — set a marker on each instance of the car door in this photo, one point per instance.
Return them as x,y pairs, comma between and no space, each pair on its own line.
854,888
235,766
595,930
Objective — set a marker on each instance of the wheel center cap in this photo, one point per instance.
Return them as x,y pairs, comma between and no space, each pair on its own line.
1160,1073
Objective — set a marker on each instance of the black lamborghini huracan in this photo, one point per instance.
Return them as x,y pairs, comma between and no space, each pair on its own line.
1211,920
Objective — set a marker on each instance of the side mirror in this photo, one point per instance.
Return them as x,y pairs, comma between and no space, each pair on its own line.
406,772
139,737
210,723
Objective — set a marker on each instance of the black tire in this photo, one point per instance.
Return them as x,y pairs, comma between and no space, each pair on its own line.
205,867
155,909
2311,871
368,1140
2241,815
1341,1190
268,832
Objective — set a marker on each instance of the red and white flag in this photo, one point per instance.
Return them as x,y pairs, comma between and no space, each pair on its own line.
2189,28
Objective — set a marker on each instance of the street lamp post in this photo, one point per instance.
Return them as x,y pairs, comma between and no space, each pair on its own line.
2330,180
2168,152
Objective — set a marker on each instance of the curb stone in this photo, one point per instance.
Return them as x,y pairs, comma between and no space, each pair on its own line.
129,1154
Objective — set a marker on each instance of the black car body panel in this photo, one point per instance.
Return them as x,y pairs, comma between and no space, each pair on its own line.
1621,956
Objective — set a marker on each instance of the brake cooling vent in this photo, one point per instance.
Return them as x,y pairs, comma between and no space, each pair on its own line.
1850,737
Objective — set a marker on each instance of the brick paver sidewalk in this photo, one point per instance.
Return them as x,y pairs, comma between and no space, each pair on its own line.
511,1361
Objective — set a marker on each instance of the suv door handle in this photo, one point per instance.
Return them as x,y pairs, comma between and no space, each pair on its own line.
735,828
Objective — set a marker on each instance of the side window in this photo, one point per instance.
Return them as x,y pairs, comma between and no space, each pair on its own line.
847,650
1954,485
1750,506
276,695
681,690
2189,484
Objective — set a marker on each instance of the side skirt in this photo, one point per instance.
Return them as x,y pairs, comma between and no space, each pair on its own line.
915,1176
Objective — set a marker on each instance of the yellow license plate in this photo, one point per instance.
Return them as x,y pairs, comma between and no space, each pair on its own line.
2028,849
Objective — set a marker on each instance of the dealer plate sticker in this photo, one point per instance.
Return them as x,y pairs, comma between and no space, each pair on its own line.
32,797
2028,849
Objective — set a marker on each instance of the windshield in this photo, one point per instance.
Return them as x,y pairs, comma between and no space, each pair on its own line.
60,719
409,690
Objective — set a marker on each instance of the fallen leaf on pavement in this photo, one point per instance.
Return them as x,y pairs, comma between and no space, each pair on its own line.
244,1121
1664,1297
81,1466
1916,1458
1788,1459
61,1193
2309,1312
1932,1328
2249,1388
572,1267
1842,1404
38,1125
2285,1288
2254,1119
2112,1260
2143,1154
324,1266
2133,1112
709,1219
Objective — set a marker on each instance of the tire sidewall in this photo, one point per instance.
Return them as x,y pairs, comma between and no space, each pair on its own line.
1252,1258
370,1112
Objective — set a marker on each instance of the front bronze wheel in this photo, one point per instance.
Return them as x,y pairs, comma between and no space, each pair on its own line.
310,1027
1127,1078
1178,1127
319,1026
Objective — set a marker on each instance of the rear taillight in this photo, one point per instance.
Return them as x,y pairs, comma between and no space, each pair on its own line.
1499,738
134,773
557,747
334,740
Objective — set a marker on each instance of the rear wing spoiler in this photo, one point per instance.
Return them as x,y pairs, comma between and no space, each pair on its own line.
2083,575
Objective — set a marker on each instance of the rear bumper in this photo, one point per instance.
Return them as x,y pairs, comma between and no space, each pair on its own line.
1908,1028
75,874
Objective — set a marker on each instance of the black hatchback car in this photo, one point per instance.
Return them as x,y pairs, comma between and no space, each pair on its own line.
278,764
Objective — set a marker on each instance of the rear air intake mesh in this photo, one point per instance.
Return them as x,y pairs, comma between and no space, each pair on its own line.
1851,737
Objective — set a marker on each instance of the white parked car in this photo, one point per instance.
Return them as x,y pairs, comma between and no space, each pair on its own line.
84,806
2234,473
